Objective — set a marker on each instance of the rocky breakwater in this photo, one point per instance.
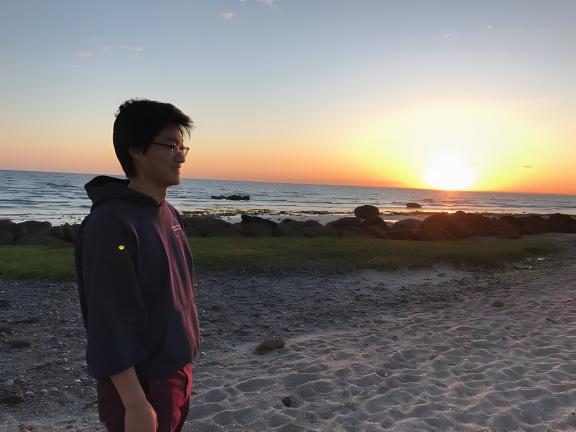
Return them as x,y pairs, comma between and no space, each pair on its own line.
366,222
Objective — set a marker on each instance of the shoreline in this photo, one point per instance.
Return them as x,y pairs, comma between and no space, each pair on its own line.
365,351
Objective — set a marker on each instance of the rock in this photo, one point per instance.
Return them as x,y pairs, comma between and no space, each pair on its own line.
207,226
18,343
45,238
377,231
345,223
434,233
35,227
405,229
9,382
247,219
70,232
11,396
6,238
218,197
320,231
238,197
505,230
561,223
17,230
528,224
366,212
355,232
436,224
289,227
269,345
254,229
413,205
287,401
497,303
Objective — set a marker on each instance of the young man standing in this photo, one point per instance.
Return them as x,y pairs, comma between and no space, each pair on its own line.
135,277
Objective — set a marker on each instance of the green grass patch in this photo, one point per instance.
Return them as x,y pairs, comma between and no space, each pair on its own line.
284,253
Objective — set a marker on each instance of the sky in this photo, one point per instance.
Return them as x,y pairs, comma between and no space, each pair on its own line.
451,94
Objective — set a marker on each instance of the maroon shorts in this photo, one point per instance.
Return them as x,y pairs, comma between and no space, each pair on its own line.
168,394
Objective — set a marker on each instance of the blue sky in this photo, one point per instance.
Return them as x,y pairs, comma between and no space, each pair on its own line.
284,77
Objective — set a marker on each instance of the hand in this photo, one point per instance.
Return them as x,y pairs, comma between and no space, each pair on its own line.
140,418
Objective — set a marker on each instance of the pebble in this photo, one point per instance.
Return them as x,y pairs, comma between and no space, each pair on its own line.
9,382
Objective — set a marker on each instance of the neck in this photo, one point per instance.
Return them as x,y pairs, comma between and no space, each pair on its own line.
155,191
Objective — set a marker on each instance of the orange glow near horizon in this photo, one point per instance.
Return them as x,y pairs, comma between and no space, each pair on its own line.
425,146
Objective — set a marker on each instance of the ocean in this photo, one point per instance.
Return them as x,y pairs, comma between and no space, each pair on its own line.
60,198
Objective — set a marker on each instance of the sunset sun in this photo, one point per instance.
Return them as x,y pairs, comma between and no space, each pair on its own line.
450,173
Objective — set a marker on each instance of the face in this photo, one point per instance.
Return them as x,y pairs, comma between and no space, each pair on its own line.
160,165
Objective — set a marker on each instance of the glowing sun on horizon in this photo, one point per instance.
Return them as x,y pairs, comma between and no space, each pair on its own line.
450,173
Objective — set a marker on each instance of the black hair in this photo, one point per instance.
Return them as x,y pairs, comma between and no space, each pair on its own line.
137,122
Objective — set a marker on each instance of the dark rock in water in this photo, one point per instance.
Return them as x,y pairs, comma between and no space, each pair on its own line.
231,197
238,197
11,396
269,345
18,343
497,303
247,219
413,205
366,212
287,401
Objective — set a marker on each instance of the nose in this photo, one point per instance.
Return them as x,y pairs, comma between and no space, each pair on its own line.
180,157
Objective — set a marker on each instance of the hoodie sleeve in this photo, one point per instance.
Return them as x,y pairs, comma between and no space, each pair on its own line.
114,314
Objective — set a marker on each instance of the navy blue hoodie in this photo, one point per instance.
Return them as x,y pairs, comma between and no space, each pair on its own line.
135,281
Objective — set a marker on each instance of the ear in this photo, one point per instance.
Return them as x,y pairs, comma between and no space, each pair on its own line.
136,154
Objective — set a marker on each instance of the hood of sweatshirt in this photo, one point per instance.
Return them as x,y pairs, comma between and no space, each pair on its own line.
104,188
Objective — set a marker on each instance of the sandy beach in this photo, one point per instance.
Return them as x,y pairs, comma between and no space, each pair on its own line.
430,350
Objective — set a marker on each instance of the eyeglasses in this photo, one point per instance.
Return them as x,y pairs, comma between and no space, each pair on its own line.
174,148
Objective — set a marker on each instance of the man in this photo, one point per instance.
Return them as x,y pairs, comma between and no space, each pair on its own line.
135,277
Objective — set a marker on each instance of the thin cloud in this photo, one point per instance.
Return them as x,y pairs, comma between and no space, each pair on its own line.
267,2
227,15
83,54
